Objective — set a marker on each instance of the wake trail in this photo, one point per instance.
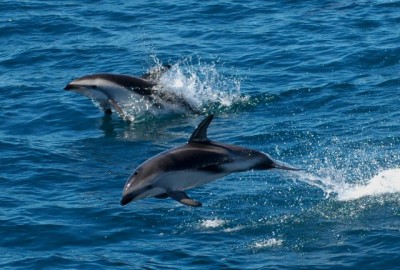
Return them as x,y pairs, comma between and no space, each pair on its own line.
385,182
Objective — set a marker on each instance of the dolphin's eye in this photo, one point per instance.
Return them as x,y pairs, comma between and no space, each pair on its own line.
93,86
136,173
149,186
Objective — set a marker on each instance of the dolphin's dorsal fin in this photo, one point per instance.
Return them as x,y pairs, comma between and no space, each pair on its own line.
200,133
155,73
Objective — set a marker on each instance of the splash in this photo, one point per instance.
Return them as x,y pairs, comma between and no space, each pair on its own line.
135,107
202,85
385,182
189,87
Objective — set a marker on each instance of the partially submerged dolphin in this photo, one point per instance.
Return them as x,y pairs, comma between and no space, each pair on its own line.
193,164
115,90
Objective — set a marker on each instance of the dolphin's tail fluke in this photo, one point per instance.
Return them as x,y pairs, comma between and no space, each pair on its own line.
268,163
281,166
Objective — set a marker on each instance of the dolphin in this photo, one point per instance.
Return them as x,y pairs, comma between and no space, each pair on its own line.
193,164
115,90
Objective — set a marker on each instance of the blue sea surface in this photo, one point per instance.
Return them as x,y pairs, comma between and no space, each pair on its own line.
315,84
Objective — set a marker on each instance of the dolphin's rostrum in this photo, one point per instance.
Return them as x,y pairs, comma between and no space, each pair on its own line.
193,164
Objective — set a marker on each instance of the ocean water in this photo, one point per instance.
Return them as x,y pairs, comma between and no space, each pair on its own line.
314,84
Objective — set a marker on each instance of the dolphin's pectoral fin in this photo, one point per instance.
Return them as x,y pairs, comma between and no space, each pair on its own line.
183,198
105,106
117,108
162,196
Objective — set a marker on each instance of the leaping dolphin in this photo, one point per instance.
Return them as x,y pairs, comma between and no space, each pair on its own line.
114,90
193,164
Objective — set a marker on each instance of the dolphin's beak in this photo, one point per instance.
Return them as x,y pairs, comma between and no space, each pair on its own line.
74,86
128,196
126,199
133,194
70,87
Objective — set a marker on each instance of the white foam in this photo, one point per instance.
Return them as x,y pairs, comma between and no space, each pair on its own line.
385,182
212,223
266,243
234,229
